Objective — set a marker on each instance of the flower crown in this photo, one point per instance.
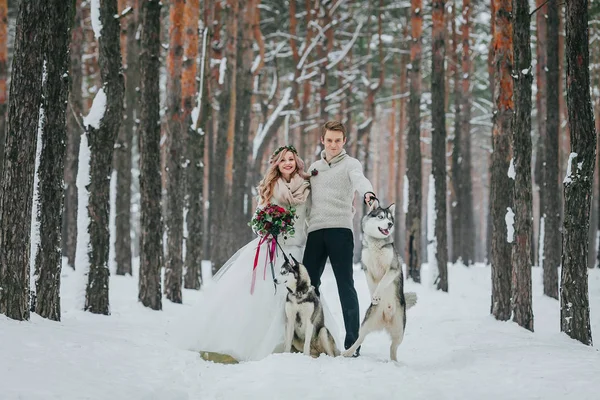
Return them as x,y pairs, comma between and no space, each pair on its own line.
290,148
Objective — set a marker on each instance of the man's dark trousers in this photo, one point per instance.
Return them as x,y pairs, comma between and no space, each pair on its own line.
338,245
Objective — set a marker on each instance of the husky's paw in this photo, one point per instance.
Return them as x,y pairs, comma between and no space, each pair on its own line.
347,353
376,299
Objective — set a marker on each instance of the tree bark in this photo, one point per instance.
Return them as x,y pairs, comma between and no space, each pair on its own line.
540,104
243,88
438,146
90,64
123,156
221,236
102,141
151,255
74,132
465,194
551,202
19,163
574,301
413,159
176,158
521,142
196,135
455,204
399,234
501,185
3,75
48,259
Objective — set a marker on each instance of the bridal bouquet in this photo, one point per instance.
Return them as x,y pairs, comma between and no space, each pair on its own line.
273,220
268,223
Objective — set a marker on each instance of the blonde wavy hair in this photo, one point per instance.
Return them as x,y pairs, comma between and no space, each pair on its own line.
267,184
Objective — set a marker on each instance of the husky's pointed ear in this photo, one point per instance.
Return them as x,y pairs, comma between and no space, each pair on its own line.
296,263
392,209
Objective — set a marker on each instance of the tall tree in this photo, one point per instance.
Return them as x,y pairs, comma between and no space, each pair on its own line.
240,212
551,203
501,183
438,146
176,159
574,301
220,165
465,184
74,132
3,74
540,104
102,133
413,159
521,142
17,178
123,156
151,256
48,259
195,149
455,204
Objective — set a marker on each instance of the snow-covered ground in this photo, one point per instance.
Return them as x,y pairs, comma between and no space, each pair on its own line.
453,349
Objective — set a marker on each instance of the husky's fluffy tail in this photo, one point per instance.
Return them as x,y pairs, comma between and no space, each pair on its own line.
411,299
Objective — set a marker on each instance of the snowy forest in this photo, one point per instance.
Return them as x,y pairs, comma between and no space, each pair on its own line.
134,133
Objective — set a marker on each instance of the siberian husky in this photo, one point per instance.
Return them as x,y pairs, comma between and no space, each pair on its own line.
383,269
305,322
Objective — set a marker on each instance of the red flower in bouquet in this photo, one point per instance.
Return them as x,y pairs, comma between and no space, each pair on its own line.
273,220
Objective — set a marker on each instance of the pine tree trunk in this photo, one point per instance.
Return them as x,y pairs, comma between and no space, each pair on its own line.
501,185
3,75
597,118
465,195
90,58
574,301
74,132
550,200
151,254
195,171
399,234
122,155
540,104
243,89
48,259
219,228
438,146
457,156
19,165
102,141
521,142
230,114
413,159
176,158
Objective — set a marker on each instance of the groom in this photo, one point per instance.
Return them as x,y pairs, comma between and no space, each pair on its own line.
335,178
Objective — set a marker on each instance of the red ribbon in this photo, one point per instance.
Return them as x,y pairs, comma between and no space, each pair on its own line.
269,258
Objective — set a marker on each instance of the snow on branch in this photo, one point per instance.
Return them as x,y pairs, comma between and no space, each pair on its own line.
262,133
95,17
313,42
346,48
96,111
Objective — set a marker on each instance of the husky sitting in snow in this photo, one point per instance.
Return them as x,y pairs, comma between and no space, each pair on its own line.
385,280
305,322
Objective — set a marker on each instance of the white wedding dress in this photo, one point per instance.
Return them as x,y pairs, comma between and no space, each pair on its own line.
249,326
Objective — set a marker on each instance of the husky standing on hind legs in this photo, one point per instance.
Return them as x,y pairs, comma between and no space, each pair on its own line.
383,270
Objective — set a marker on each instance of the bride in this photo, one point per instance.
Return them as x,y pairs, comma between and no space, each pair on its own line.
250,324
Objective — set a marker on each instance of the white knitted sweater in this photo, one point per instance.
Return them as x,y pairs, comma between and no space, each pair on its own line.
332,191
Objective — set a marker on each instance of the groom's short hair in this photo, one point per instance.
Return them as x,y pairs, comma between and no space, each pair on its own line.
333,126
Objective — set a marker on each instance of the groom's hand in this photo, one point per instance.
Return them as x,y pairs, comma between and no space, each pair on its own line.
369,197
